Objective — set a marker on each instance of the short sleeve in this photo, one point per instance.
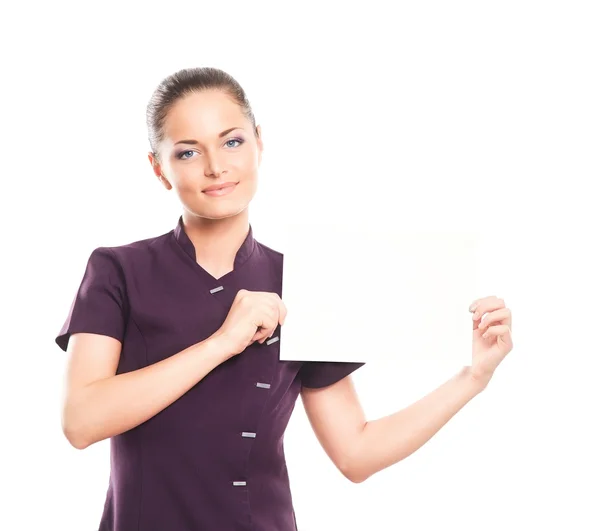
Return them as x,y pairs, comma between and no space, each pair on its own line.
316,374
99,304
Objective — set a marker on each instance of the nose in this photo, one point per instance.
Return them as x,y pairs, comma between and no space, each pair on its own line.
214,168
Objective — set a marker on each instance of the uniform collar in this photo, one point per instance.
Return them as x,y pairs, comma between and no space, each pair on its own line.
243,253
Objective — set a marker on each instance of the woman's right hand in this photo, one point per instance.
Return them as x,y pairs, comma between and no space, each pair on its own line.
253,316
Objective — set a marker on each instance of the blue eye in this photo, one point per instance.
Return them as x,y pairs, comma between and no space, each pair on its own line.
235,140
181,157
183,153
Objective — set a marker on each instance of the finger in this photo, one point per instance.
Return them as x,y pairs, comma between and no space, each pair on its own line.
264,335
477,302
261,333
495,331
262,323
270,321
272,331
274,325
486,305
477,317
282,312
501,316
474,305
279,308
482,301
268,334
269,311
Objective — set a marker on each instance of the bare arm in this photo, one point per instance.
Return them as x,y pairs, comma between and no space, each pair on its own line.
359,448
98,404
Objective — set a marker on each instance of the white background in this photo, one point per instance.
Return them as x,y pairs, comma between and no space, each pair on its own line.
463,115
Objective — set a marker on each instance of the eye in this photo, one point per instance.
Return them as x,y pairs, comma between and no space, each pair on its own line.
181,157
241,141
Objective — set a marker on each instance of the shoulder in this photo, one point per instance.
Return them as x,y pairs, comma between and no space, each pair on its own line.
270,261
269,252
267,268
135,251
122,263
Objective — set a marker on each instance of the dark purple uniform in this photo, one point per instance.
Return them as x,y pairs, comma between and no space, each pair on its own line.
213,460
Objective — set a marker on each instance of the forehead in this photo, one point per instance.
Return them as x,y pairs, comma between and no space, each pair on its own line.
202,116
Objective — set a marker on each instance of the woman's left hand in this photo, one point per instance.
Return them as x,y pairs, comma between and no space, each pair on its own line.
492,341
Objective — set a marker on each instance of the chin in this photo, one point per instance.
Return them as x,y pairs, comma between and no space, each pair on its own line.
215,208
221,212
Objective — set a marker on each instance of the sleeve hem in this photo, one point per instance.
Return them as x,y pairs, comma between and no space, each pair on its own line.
62,340
327,379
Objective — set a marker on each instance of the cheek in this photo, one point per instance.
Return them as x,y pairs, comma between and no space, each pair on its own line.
248,189
251,182
247,162
187,180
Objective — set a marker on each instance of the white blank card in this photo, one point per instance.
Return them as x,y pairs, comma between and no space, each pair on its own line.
355,293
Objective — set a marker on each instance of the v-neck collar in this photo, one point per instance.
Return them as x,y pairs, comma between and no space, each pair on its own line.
242,255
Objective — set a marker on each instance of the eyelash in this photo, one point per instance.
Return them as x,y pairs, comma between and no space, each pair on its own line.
179,156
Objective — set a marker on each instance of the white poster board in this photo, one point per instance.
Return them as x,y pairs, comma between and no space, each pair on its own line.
354,293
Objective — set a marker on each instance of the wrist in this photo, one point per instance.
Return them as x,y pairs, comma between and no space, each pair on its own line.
220,345
474,381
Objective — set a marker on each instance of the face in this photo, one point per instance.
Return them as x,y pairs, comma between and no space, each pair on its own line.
208,142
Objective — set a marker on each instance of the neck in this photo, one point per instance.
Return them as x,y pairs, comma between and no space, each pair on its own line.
216,241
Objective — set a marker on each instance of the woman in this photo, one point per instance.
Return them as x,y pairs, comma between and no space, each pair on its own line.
173,345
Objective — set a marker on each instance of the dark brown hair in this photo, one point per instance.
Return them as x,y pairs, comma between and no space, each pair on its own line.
183,83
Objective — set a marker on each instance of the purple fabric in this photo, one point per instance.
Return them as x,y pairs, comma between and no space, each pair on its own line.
177,470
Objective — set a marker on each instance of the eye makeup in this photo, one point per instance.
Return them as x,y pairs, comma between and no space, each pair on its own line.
180,156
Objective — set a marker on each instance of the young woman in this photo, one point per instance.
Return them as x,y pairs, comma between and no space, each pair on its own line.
173,345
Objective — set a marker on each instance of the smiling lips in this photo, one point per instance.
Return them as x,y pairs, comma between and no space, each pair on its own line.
219,189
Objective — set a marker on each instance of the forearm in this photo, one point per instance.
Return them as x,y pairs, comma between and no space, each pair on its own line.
388,440
117,404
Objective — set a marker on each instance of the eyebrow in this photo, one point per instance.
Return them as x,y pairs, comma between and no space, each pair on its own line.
195,141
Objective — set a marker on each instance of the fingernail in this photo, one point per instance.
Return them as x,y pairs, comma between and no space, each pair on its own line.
472,307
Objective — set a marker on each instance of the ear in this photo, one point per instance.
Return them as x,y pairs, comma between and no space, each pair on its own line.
156,168
259,142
